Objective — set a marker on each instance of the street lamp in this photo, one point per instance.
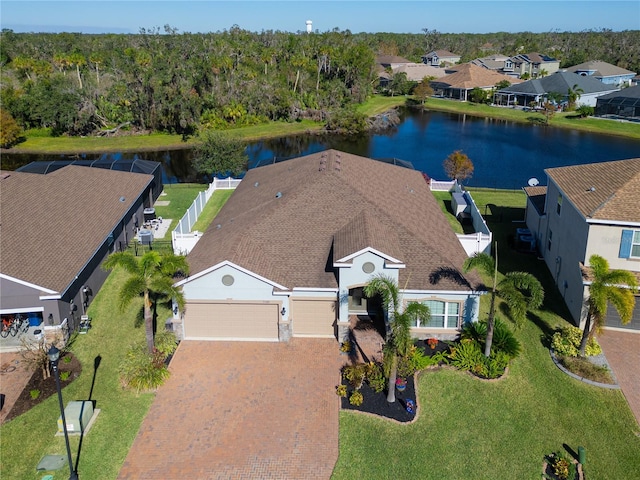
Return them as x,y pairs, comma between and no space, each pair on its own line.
54,356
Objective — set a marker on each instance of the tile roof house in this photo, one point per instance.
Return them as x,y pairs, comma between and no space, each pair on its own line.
465,78
439,58
55,231
584,210
536,90
290,251
605,72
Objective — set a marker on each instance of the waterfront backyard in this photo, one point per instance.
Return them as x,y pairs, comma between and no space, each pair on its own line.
466,427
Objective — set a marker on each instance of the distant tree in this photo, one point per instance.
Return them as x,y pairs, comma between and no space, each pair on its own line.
549,110
458,166
10,131
502,84
423,90
573,95
478,95
219,153
347,121
399,85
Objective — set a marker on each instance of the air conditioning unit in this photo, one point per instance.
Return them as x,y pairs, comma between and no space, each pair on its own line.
77,414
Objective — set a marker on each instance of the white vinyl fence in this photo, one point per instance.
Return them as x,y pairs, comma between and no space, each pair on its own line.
182,238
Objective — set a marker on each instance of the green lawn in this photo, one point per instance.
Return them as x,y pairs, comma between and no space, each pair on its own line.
211,209
180,197
469,428
27,438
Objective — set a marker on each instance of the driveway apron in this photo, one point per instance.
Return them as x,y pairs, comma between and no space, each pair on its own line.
251,410
622,350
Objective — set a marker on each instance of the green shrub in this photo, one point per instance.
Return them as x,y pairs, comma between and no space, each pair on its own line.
341,390
141,371
375,377
355,374
496,364
66,359
562,466
356,398
466,355
165,342
64,375
503,338
567,342
35,393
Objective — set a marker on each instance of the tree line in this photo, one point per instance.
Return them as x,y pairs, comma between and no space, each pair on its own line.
163,80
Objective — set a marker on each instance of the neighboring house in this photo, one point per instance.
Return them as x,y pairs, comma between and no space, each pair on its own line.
495,63
416,72
291,250
605,72
585,210
440,58
391,61
458,85
531,64
623,104
56,229
536,90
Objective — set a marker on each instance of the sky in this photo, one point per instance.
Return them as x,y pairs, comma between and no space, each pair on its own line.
398,16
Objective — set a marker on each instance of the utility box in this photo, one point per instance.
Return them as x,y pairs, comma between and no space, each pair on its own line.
77,414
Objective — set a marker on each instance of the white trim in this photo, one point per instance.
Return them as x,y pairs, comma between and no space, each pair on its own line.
613,223
227,263
312,289
26,284
50,297
442,292
22,310
367,250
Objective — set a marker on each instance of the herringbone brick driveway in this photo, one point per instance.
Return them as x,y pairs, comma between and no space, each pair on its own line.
242,410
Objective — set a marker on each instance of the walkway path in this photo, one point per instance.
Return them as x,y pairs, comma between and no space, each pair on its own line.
250,410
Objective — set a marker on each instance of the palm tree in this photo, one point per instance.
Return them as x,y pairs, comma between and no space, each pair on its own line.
520,291
573,95
398,339
151,276
615,286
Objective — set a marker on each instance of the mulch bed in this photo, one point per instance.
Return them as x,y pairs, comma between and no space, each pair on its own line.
376,403
47,386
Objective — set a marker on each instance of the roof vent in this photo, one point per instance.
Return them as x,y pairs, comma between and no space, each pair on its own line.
122,199
218,226
591,189
278,195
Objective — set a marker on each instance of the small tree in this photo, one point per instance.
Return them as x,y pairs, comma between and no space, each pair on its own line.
423,90
10,131
478,95
458,166
220,153
549,110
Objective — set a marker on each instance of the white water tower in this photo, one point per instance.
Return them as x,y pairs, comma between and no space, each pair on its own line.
309,26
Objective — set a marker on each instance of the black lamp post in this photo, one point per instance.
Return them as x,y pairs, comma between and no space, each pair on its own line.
54,356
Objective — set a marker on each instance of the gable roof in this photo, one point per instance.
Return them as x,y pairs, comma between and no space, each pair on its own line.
600,69
537,195
602,191
51,225
389,59
532,57
468,76
560,82
441,54
290,221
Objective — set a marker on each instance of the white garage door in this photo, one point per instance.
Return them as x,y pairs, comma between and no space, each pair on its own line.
313,318
231,321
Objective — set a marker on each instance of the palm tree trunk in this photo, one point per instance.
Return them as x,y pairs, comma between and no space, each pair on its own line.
148,322
492,309
393,374
585,335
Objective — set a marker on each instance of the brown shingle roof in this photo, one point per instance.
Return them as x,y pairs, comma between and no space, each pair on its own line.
602,69
468,76
51,225
332,197
537,195
603,191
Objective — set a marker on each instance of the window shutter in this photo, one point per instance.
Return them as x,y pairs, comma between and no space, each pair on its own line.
625,244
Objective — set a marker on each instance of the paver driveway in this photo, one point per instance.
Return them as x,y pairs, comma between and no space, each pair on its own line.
247,410
622,350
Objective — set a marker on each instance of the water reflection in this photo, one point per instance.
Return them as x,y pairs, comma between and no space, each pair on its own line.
505,154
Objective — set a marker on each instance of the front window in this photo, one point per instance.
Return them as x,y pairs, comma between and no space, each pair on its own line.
443,315
635,244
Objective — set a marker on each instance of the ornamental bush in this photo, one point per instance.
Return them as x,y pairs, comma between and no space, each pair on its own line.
567,342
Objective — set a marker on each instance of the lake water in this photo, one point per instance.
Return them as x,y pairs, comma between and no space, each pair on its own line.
504,154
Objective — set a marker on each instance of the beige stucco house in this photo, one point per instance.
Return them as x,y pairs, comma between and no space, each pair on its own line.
585,210
291,250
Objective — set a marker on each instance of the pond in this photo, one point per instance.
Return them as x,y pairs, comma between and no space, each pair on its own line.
505,154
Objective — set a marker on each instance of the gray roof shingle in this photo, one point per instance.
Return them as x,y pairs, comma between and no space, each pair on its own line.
51,225
334,200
